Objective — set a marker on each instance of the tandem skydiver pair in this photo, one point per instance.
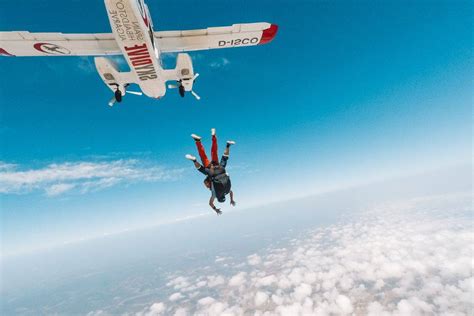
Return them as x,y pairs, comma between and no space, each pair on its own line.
217,180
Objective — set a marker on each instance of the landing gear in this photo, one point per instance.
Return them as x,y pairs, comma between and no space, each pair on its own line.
181,90
118,95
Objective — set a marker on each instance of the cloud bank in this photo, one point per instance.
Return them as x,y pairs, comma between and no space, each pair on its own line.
407,259
80,177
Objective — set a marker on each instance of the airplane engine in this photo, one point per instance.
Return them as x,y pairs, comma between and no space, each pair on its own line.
185,75
110,74
184,71
117,81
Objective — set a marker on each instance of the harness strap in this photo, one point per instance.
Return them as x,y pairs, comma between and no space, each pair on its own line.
220,176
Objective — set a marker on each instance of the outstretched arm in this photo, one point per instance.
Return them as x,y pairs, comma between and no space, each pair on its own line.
227,151
200,168
211,204
225,156
232,202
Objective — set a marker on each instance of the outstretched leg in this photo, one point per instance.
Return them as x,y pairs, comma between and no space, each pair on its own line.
214,155
201,150
202,154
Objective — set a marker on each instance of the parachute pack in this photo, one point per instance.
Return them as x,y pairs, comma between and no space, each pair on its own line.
221,183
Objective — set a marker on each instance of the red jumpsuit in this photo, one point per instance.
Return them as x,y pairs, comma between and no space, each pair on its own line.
202,152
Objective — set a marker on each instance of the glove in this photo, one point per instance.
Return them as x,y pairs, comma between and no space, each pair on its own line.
232,203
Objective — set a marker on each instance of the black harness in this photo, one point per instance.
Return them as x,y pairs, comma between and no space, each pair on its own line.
221,183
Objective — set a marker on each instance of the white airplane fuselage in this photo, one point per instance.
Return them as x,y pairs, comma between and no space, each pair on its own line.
133,37
132,28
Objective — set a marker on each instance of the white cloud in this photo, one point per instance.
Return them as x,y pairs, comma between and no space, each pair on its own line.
221,259
375,309
219,63
156,309
81,177
402,259
254,259
181,312
6,166
267,280
379,284
344,304
178,283
175,296
206,301
302,291
215,280
86,64
237,279
60,188
260,298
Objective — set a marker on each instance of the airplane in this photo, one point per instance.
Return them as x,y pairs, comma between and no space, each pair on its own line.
133,37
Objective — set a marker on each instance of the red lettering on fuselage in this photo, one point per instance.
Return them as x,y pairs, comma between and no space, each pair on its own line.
135,47
139,56
139,52
141,62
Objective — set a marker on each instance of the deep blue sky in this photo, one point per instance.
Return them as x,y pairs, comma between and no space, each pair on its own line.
347,92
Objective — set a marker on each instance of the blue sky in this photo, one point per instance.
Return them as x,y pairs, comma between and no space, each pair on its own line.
346,93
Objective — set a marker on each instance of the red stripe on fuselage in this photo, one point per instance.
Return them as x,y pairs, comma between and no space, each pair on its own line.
5,53
145,18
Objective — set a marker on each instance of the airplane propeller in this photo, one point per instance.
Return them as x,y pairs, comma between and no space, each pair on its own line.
134,92
195,95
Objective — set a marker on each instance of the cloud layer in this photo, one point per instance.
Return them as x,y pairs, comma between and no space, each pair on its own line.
406,259
82,176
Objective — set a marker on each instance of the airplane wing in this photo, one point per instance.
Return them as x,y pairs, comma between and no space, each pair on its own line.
237,35
18,43
22,43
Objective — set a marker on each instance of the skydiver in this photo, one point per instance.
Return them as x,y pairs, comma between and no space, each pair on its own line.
217,180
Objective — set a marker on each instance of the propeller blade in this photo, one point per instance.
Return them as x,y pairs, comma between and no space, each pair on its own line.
134,92
195,76
112,101
195,95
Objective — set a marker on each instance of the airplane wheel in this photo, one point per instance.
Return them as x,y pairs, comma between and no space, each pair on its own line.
118,95
181,91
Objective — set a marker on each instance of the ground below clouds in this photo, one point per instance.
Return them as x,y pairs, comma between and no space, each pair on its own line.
409,258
